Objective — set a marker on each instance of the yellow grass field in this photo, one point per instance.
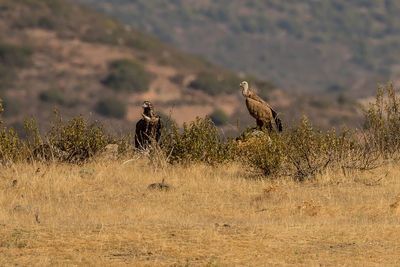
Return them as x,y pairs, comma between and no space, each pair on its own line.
103,214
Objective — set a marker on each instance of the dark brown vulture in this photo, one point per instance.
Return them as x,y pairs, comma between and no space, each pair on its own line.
149,128
265,116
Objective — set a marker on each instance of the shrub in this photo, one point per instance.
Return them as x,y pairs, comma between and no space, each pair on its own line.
1,111
47,23
178,79
265,153
219,117
111,107
138,43
382,121
11,146
12,107
199,141
12,56
127,75
212,84
303,152
77,140
53,95
4,76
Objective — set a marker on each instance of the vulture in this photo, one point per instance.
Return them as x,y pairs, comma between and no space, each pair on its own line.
148,129
260,110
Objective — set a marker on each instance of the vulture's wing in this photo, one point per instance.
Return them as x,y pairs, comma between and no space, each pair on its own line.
259,110
253,96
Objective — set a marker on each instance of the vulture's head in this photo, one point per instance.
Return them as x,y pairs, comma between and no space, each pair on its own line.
245,88
147,108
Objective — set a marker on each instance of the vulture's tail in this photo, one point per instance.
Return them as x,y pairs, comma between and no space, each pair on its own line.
278,121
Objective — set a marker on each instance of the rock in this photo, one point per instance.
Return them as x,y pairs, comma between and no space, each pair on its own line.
257,134
159,186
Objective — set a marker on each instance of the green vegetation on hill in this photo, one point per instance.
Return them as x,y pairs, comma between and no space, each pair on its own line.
12,57
213,84
53,95
71,21
58,53
54,52
217,83
304,44
111,107
127,75
219,117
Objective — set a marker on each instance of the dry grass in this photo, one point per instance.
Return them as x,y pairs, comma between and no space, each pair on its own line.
103,214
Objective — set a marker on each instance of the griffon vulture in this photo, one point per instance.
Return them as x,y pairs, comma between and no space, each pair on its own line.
259,109
148,129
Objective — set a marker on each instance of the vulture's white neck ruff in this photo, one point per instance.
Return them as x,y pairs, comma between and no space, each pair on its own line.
245,88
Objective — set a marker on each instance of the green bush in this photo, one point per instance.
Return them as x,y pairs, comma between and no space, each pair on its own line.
12,107
47,23
219,117
382,121
303,152
77,140
111,107
53,95
12,56
178,79
127,75
1,111
199,141
138,43
11,145
265,153
212,84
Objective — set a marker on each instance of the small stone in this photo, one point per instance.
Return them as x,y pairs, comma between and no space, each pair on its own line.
159,186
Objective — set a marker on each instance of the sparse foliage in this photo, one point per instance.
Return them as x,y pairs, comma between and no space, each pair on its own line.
199,141
382,121
127,75
219,117
77,140
53,95
111,107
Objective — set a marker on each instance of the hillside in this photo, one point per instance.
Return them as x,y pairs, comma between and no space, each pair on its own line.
309,45
56,53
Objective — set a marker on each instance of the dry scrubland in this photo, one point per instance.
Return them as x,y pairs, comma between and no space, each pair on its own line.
102,213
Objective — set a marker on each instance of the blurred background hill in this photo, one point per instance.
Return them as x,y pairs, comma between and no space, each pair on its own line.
65,54
306,45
